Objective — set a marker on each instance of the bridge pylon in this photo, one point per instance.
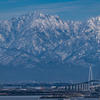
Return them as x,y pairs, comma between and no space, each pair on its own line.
90,78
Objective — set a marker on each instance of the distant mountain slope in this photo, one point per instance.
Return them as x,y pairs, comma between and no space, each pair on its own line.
47,44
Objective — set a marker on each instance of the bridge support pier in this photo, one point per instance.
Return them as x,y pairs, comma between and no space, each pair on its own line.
77,87
68,87
71,87
74,87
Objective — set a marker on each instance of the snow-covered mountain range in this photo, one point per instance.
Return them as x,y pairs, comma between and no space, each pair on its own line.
45,44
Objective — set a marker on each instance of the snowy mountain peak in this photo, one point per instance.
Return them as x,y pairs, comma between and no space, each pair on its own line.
49,37
31,16
13,19
47,44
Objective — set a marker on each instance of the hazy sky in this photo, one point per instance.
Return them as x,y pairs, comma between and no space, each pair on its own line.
76,10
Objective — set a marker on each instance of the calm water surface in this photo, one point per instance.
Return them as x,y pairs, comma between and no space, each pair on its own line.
22,98
35,98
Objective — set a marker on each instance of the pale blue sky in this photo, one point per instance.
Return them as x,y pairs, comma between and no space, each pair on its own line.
76,10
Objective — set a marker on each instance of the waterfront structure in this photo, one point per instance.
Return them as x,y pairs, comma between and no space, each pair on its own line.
85,85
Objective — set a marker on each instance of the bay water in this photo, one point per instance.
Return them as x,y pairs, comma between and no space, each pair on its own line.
23,98
38,98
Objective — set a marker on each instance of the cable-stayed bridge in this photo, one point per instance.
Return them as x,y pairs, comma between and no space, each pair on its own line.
84,85
90,84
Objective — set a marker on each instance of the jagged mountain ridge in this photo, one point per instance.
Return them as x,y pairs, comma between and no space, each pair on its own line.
36,40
